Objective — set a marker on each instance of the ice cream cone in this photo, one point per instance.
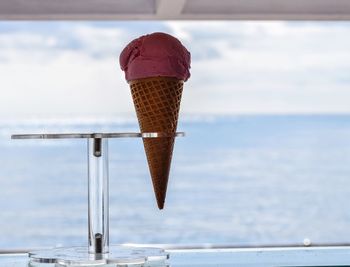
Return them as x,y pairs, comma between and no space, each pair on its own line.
156,65
157,103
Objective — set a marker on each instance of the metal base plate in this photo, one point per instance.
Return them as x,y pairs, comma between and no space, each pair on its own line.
117,256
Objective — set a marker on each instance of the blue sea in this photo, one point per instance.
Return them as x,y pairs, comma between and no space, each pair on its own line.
240,180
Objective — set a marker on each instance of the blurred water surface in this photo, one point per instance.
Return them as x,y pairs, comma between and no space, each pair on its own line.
236,180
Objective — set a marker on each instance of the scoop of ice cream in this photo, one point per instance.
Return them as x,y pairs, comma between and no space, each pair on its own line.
154,55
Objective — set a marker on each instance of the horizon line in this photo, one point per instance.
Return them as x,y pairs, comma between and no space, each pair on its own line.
131,118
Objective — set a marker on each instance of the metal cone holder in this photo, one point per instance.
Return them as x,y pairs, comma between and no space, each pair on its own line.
98,251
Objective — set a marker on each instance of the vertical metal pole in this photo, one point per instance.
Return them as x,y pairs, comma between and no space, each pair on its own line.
98,195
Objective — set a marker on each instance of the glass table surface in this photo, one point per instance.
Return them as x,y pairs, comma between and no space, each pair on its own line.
269,257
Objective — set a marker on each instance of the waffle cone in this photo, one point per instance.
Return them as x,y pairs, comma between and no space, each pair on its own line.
157,103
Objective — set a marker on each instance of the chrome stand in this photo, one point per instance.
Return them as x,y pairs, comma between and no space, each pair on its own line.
98,251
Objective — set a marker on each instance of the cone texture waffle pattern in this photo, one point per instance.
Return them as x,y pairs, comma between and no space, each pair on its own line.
157,103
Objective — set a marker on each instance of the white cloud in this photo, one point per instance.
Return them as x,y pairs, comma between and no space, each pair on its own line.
71,83
271,66
100,41
237,67
40,78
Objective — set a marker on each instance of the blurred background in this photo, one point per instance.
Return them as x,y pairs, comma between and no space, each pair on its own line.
266,156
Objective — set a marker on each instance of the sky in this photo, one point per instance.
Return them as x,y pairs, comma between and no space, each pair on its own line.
71,70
